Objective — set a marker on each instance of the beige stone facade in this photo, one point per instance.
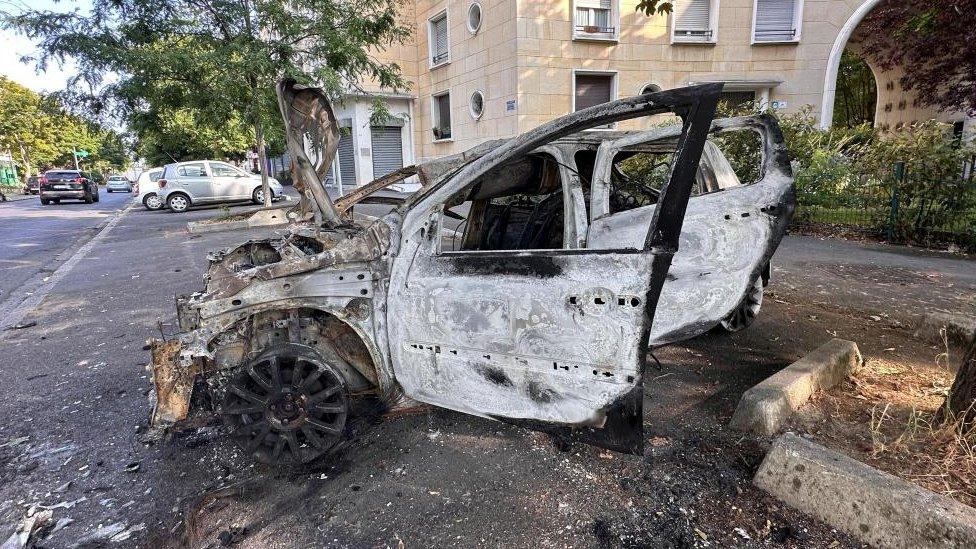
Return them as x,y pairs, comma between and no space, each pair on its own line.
525,56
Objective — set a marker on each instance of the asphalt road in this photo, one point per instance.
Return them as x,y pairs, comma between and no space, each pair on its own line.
73,398
32,236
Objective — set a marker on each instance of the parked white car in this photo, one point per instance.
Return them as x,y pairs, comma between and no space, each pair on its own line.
185,184
148,188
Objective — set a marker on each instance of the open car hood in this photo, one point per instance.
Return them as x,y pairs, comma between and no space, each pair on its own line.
311,128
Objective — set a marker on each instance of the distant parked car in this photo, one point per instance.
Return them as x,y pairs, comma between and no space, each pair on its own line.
56,185
118,183
209,182
33,185
147,186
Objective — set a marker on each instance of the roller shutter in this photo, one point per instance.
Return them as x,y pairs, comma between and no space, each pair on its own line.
387,150
775,20
692,17
347,160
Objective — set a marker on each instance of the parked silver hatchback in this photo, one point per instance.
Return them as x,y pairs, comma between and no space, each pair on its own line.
185,184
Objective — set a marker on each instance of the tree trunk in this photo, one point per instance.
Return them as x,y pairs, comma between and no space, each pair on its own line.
960,405
26,159
263,161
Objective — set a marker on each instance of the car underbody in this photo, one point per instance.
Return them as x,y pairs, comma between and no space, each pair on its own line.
526,281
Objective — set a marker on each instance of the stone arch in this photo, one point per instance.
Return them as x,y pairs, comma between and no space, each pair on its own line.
833,61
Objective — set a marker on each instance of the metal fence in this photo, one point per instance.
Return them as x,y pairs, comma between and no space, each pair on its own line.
903,207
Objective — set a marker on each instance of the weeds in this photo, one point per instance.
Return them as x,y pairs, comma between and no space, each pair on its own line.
939,455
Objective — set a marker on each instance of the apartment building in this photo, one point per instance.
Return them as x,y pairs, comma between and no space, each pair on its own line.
486,69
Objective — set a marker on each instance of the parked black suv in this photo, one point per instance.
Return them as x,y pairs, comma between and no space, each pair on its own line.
58,184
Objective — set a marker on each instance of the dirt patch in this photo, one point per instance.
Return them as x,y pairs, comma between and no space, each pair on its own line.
883,415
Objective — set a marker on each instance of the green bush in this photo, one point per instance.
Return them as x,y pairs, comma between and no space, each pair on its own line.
847,176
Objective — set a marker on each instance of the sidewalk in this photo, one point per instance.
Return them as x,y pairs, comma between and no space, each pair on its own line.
17,197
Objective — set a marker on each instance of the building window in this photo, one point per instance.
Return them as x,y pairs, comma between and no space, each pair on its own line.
649,88
474,17
440,51
476,106
593,88
442,116
595,19
738,101
695,21
776,21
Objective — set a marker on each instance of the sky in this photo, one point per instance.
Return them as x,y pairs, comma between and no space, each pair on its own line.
13,46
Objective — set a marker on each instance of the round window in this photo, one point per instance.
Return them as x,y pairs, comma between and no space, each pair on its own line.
477,105
650,88
474,17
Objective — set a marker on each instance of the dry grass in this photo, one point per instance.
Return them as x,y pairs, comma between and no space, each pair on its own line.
884,415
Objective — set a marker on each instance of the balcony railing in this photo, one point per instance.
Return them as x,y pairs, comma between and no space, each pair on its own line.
439,58
775,35
595,29
705,34
442,133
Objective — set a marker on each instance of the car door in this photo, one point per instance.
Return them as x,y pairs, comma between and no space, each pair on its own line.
552,339
192,177
229,183
731,229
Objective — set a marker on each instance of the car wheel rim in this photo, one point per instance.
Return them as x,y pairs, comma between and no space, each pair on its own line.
287,407
154,202
178,203
259,196
744,315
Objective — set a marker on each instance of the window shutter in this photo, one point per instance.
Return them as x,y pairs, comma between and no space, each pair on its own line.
347,160
775,20
440,39
693,16
592,89
387,150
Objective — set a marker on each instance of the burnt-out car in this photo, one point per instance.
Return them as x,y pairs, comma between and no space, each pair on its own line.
525,281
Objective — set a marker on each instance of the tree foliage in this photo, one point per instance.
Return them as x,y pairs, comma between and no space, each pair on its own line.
212,64
650,7
39,133
857,93
933,41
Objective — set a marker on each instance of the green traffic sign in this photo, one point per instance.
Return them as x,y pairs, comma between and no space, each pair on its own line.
81,154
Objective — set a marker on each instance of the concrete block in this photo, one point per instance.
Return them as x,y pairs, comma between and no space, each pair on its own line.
959,328
766,407
880,509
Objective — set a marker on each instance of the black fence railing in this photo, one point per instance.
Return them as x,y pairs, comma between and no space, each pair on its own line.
905,207
439,57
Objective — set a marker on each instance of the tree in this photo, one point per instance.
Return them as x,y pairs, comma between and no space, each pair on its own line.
41,134
177,135
960,405
218,58
857,92
933,41
650,7
26,130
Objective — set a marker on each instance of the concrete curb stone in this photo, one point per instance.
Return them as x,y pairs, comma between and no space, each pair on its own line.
766,407
259,217
959,329
876,507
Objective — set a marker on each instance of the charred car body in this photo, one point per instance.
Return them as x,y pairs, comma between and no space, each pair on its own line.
525,281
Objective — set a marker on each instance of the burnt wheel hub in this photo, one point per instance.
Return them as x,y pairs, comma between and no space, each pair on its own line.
287,405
